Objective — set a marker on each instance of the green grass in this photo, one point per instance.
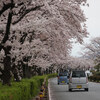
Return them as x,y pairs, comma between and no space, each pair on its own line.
24,90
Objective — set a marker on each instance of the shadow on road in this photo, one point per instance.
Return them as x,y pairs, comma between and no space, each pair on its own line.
71,91
78,91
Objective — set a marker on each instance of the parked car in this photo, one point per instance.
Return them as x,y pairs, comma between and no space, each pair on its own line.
63,78
78,80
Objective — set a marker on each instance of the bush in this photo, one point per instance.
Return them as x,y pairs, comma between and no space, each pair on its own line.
24,90
52,75
95,78
97,73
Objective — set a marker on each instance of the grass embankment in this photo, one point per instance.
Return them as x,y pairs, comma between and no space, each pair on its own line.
95,77
24,90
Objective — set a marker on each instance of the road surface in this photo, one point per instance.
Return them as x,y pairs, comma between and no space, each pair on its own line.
60,92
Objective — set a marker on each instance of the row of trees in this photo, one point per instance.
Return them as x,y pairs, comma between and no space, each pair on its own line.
93,52
80,63
35,35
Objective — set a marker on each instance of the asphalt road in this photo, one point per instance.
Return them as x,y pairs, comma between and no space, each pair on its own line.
60,92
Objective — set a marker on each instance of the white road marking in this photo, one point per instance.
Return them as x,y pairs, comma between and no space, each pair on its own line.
49,91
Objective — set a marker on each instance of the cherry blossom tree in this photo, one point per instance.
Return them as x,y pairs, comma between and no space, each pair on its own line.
80,63
38,32
93,50
55,24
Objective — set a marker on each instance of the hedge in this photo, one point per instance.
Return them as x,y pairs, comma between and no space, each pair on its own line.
24,90
52,75
94,78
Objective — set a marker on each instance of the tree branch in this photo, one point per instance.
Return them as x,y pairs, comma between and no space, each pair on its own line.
1,47
1,70
26,12
6,36
1,62
6,7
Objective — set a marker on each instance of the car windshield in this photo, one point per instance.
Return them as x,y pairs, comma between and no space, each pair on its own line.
78,74
62,74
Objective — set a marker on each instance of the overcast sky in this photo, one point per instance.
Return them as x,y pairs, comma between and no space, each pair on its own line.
93,23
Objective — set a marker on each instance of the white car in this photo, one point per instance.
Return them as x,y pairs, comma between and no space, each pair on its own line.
78,80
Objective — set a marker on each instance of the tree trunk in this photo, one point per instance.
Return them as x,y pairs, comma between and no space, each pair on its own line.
6,75
26,71
15,72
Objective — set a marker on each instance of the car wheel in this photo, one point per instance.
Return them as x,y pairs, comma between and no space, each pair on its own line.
70,90
58,83
86,89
